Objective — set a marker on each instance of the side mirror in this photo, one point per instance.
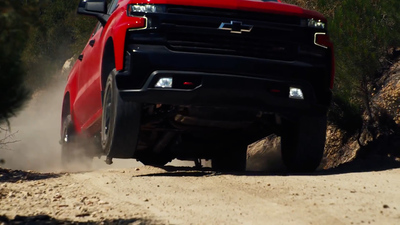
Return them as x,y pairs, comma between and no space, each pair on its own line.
96,8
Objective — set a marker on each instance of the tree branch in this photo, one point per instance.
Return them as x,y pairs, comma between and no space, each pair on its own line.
8,138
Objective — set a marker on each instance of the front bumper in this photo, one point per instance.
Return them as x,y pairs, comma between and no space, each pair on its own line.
223,81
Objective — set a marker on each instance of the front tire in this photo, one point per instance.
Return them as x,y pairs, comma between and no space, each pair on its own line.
303,142
120,122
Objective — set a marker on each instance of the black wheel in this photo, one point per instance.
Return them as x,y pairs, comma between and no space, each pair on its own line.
74,155
232,158
303,142
120,122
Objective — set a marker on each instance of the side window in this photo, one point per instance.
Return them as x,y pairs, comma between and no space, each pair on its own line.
113,5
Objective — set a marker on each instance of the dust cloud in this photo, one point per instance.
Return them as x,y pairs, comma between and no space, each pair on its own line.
36,131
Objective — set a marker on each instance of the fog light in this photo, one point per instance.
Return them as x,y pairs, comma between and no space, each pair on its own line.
164,82
296,93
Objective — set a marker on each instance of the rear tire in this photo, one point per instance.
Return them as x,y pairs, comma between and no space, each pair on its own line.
303,143
74,155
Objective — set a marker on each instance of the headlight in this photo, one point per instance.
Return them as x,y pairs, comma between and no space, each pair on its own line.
145,8
316,23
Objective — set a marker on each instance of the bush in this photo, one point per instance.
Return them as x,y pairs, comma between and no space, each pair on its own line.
61,34
14,23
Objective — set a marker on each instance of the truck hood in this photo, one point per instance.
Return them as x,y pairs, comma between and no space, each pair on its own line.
245,5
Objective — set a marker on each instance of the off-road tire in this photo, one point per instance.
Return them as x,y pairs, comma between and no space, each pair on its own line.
120,126
303,142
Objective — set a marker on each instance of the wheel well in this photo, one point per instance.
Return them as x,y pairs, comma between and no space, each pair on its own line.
66,110
108,62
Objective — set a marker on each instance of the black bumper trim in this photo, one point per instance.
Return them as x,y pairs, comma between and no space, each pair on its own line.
225,90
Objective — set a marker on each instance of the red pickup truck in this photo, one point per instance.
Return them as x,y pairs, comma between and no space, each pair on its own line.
199,79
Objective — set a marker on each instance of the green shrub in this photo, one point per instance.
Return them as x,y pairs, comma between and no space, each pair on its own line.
14,24
60,35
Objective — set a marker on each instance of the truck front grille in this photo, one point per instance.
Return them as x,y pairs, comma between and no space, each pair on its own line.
196,29
241,45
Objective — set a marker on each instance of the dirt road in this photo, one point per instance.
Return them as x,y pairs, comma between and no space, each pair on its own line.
183,195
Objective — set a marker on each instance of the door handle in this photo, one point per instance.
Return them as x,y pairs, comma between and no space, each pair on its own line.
91,42
80,57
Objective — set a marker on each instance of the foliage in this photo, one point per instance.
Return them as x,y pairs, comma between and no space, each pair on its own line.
15,22
61,34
